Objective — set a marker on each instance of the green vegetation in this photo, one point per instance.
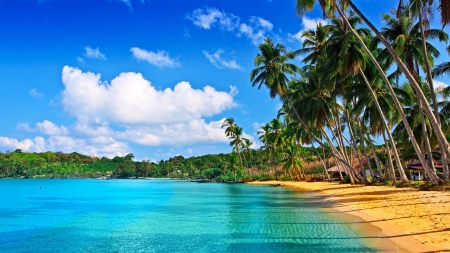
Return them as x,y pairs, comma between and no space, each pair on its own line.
255,164
344,94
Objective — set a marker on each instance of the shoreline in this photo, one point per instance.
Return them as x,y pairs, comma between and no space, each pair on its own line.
390,219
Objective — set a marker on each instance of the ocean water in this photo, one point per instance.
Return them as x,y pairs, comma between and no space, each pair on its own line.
89,215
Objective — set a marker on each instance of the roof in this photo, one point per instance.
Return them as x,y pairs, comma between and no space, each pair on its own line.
417,165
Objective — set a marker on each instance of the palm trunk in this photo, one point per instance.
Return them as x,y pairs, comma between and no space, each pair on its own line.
377,161
394,97
323,163
431,171
432,92
348,169
433,120
314,137
383,119
352,138
341,135
391,165
363,146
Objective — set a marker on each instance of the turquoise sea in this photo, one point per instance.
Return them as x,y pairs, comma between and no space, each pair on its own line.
87,215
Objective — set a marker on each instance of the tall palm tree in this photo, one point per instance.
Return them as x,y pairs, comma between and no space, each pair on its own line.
272,68
234,133
407,38
313,44
329,6
404,35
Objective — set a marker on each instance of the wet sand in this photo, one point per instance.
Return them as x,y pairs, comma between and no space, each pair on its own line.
391,219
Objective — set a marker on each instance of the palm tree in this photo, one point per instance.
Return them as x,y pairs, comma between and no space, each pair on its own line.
246,147
272,71
406,38
230,125
234,133
272,68
330,6
292,161
313,44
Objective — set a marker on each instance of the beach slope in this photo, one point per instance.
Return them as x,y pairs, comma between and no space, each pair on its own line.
416,221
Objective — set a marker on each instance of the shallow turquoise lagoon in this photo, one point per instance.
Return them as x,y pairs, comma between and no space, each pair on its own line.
165,216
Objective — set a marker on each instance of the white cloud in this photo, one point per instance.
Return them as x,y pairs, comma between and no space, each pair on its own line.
130,99
93,53
181,134
260,22
207,18
160,58
25,127
16,144
257,29
34,93
108,148
49,128
438,85
211,16
308,24
217,61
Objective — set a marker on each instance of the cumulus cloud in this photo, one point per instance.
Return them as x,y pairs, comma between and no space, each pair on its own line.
130,99
34,93
211,16
217,60
187,133
93,53
160,58
49,128
308,24
16,144
255,30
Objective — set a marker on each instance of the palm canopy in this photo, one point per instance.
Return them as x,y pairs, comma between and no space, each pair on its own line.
313,44
272,68
403,33
443,68
345,54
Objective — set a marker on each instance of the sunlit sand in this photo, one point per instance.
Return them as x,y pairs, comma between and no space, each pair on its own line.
416,221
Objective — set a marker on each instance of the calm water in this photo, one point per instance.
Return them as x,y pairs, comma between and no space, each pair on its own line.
164,216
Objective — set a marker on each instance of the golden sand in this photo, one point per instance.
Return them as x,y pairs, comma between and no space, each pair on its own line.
416,221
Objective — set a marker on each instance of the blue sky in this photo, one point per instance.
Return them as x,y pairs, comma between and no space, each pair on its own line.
150,77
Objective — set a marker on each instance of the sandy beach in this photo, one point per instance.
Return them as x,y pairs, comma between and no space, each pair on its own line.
415,221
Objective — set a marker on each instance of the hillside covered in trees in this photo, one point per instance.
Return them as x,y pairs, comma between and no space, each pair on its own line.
256,164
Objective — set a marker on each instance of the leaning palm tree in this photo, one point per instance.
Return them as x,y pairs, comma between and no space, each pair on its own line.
406,38
272,70
329,6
